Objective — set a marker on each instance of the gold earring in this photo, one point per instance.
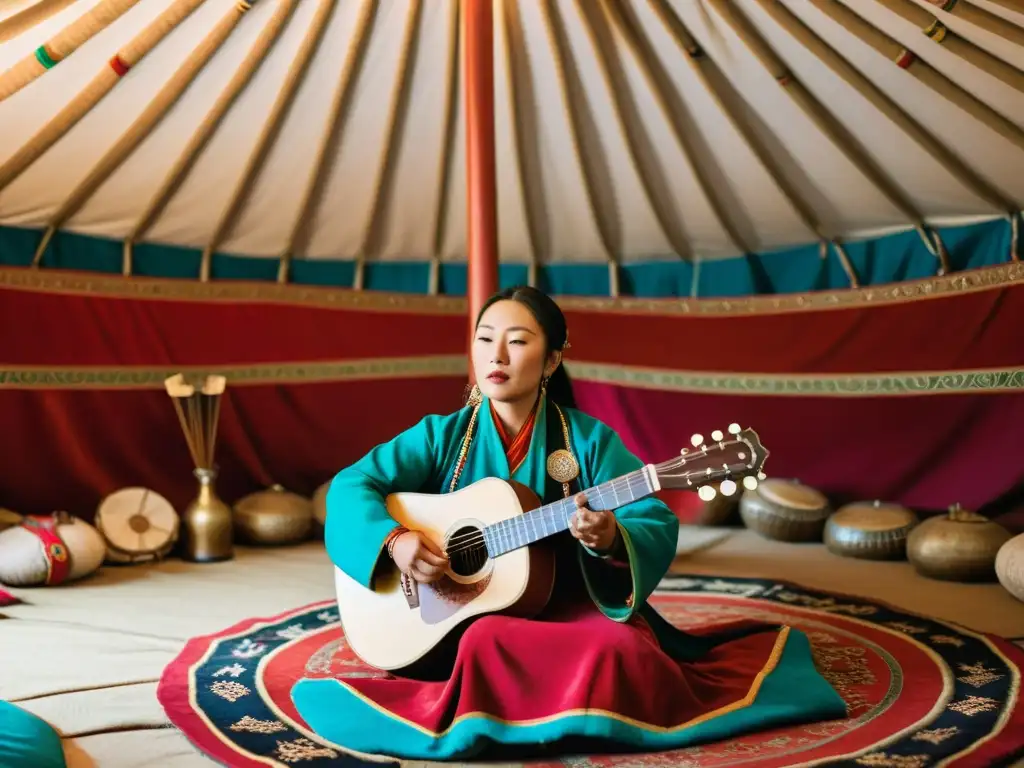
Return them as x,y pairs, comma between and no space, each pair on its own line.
475,396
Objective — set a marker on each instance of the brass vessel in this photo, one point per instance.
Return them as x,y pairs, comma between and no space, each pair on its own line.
874,531
273,516
959,546
206,532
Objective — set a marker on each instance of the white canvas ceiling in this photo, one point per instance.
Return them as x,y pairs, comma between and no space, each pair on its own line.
626,129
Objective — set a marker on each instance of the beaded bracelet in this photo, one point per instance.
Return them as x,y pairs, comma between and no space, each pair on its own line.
389,542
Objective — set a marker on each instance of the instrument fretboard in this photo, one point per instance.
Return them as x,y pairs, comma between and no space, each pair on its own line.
523,530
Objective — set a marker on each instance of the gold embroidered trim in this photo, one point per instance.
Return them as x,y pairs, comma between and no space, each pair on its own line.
252,725
93,284
460,463
230,690
936,735
978,675
816,385
902,383
148,377
301,749
230,292
884,760
973,705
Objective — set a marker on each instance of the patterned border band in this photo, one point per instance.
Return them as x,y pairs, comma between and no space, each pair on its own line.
889,384
171,289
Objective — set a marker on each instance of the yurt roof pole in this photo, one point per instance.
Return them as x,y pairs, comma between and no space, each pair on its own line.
481,186
104,81
61,45
451,100
14,25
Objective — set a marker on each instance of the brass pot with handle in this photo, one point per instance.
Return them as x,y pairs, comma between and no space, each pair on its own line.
958,546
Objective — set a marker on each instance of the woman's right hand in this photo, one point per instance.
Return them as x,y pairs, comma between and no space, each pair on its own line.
419,557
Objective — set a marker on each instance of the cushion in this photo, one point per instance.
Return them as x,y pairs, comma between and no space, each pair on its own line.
26,740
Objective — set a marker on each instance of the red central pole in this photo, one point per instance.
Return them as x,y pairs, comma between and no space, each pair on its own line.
482,260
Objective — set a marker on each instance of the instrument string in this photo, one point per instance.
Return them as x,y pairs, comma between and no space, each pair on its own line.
476,536
474,539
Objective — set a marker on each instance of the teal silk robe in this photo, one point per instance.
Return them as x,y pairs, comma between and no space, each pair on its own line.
612,671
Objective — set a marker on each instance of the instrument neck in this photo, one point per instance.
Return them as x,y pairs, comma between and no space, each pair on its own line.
523,530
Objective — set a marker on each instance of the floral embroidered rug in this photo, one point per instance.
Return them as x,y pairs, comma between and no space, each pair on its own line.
920,692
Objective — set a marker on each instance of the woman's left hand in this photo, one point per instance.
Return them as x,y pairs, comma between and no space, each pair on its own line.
597,530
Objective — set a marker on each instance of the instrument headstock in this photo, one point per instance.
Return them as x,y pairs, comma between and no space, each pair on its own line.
726,458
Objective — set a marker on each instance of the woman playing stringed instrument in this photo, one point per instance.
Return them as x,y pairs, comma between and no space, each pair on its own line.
598,669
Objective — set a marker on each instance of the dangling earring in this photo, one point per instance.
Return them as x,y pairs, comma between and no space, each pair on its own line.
544,385
475,397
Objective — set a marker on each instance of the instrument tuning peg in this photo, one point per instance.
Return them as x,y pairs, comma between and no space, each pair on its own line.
727,487
707,493
762,476
750,482
734,429
696,440
717,435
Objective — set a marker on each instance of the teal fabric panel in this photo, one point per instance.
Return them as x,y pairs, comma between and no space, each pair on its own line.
25,740
68,250
17,246
455,277
156,260
888,259
230,267
339,274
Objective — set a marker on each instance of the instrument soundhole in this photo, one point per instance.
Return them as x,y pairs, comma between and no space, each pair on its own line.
467,551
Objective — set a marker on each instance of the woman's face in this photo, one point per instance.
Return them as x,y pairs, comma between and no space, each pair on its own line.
509,353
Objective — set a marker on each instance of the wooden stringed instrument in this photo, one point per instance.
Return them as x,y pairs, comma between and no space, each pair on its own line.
486,530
